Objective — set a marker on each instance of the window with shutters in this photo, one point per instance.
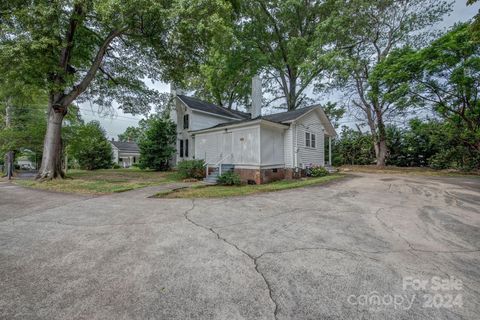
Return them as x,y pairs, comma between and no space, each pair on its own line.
181,148
186,148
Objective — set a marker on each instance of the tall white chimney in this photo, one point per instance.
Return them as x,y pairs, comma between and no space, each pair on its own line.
256,97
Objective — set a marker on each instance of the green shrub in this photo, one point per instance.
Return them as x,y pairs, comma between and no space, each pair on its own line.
229,178
116,166
90,147
191,169
318,171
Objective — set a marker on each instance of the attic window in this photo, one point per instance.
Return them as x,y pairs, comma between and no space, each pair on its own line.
186,121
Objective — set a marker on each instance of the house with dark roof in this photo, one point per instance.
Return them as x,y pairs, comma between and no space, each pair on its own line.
260,148
125,154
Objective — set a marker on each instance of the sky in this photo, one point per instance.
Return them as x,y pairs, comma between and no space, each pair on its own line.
116,122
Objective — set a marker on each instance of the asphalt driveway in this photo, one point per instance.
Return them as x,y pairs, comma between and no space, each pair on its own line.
368,247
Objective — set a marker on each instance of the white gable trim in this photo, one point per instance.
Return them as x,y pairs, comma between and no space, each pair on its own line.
205,112
329,129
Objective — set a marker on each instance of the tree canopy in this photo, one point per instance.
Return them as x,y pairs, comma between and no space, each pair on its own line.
157,145
445,75
90,147
378,27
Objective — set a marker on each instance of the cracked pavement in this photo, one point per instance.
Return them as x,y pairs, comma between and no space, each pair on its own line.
295,254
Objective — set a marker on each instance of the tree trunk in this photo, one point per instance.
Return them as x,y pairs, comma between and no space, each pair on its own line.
379,136
381,141
9,155
381,152
9,165
51,167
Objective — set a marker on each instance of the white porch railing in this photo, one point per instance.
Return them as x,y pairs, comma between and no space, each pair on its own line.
217,164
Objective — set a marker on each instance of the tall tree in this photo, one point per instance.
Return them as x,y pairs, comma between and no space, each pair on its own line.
295,42
157,145
446,76
378,27
22,120
131,134
225,78
101,51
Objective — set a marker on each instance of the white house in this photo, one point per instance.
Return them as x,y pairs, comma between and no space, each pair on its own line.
259,148
125,154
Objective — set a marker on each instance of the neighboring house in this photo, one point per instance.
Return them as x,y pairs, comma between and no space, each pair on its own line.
125,154
259,148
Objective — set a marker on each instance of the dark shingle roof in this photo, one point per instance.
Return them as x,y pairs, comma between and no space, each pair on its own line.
287,116
130,147
197,104
281,117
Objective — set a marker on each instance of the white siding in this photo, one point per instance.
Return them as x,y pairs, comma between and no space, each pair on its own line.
183,134
200,120
237,146
307,155
246,145
288,147
114,153
208,147
197,121
272,146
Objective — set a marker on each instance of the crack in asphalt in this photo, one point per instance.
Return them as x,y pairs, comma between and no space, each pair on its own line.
254,259
410,245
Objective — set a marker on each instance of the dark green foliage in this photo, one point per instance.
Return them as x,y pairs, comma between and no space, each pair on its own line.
191,169
133,134
416,145
446,76
422,144
91,148
334,112
229,178
353,148
157,144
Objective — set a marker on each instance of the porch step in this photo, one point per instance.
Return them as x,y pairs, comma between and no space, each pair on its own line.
331,169
213,176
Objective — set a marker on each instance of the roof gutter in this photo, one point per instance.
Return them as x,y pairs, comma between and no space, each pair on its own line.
209,113
242,124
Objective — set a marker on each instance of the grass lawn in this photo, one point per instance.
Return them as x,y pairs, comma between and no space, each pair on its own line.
409,170
103,181
243,190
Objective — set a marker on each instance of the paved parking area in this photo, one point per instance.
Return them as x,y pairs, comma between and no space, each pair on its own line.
368,247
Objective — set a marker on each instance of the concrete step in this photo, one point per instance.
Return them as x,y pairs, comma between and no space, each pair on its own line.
210,181
331,169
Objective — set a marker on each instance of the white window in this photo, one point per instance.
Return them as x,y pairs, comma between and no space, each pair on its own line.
310,140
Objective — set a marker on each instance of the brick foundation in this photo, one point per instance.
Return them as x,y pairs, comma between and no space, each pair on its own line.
260,176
